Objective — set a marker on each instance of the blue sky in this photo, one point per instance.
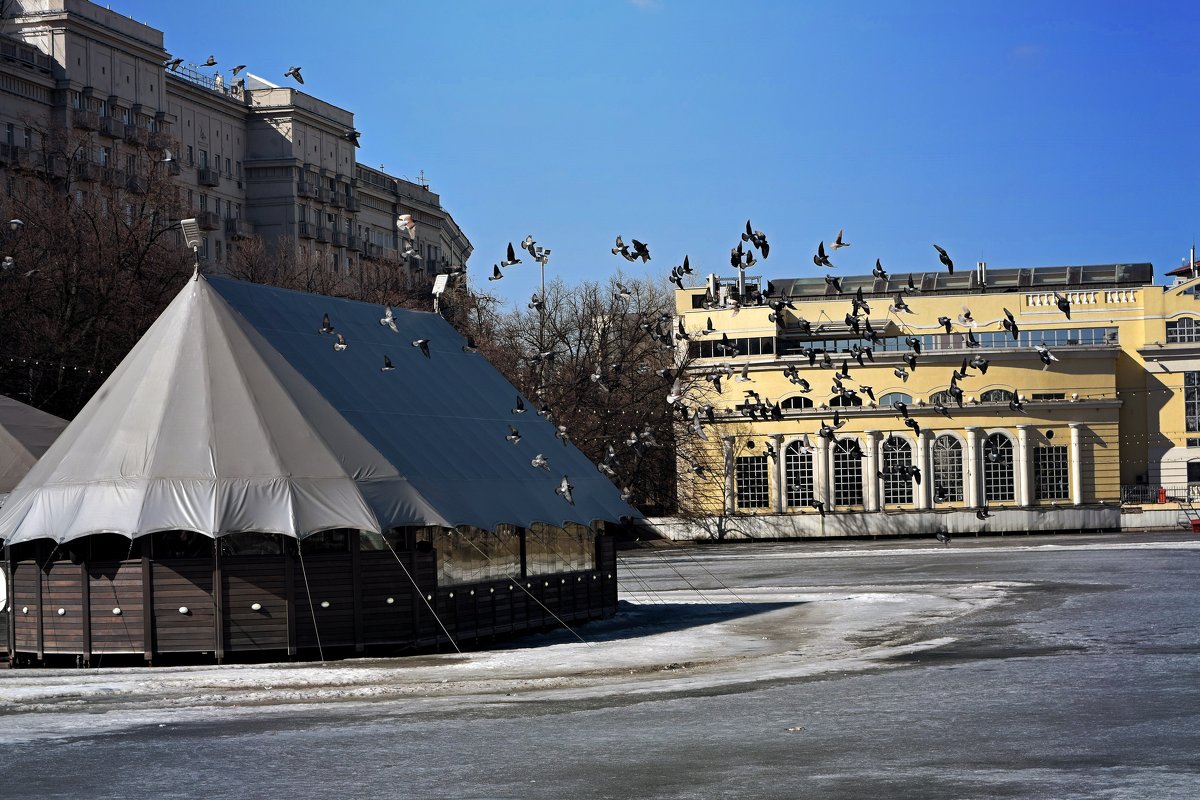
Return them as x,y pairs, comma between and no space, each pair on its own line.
1021,133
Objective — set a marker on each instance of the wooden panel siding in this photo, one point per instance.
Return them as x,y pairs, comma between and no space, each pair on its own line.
62,589
331,581
383,578
183,583
116,585
250,580
26,606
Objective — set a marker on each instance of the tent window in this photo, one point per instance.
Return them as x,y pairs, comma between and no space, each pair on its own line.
473,555
251,544
326,542
549,549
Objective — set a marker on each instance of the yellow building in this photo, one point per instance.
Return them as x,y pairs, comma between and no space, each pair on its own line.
846,410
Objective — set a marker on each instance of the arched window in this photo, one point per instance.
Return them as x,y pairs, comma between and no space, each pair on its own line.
795,403
998,480
892,397
942,397
842,400
798,471
897,484
1183,329
947,469
996,396
847,473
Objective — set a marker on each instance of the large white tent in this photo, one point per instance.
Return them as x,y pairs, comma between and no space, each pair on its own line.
25,433
234,413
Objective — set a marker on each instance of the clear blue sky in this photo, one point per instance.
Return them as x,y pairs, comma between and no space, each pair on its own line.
1022,133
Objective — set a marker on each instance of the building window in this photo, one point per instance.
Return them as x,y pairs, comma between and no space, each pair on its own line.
1191,401
10,134
191,157
1046,396
710,348
29,137
795,403
998,480
753,489
996,396
897,485
844,400
892,397
1050,475
1184,329
203,159
798,471
105,155
847,473
947,469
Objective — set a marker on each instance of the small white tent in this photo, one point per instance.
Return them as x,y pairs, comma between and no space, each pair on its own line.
234,413
25,433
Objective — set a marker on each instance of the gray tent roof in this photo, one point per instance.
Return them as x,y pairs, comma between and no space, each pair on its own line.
25,433
233,413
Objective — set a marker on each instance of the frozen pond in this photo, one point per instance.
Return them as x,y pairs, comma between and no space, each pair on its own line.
1021,667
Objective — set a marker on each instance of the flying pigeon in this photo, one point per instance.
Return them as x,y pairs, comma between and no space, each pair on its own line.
1009,324
405,222
1046,356
1064,305
520,406
294,72
496,273
564,489
389,319
173,63
540,461
238,68
211,62
351,136
912,423
899,305
387,365
640,250
423,344
511,259
822,260
326,325
819,506
945,322
943,537
982,513
340,344
514,435
965,317
838,243
945,259
879,272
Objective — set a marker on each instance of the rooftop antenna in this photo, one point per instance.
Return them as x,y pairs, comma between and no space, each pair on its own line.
191,235
422,181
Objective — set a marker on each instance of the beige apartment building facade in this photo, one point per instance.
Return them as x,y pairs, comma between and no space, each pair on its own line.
251,158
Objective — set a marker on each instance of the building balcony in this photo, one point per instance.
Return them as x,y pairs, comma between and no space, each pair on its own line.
369,250
87,171
160,140
137,184
324,195
237,229
322,233
173,167
208,221
338,199
112,127
88,120
339,238
306,231
136,135
112,177
306,189
352,202
352,241
207,176
56,167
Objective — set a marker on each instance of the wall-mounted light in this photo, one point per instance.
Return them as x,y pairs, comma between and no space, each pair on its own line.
117,611
324,604
184,610
391,600
256,606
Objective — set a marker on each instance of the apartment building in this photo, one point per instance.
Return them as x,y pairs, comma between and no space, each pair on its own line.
251,158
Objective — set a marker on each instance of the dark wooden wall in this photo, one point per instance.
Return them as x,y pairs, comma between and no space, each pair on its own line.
341,603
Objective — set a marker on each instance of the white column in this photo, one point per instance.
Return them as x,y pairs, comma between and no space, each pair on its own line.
971,473
1024,495
729,470
922,488
1076,456
821,466
871,451
780,473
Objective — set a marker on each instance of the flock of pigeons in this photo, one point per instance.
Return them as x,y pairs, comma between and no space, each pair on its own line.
857,320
